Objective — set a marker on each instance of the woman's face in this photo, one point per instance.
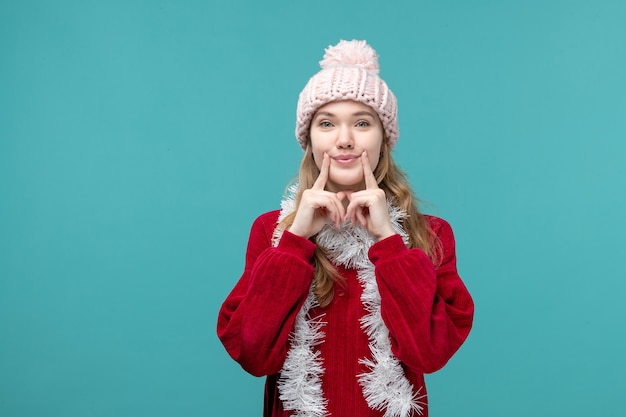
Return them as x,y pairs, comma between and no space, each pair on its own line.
343,130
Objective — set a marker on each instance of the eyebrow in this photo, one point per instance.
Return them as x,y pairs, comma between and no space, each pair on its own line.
357,114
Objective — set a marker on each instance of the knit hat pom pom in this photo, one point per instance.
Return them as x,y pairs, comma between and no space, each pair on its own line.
357,53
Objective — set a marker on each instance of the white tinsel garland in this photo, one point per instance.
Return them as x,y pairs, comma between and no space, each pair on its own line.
385,387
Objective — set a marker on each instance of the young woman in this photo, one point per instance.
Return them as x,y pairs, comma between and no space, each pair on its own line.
349,295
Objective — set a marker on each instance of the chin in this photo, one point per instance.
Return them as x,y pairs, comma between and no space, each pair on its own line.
355,185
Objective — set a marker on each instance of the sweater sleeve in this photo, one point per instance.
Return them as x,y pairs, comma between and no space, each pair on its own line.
427,309
255,320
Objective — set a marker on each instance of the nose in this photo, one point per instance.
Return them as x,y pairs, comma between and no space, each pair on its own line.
344,138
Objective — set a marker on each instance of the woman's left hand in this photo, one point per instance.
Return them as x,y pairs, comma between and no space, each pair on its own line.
369,206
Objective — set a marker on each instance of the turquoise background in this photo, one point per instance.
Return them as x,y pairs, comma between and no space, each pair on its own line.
140,139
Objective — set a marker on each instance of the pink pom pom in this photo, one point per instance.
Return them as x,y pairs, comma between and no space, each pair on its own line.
357,53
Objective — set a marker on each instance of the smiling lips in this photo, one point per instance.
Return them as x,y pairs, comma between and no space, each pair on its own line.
345,159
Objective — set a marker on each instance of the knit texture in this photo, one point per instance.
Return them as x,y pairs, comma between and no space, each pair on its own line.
426,309
349,72
385,386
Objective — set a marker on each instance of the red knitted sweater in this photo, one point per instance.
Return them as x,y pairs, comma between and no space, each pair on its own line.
428,312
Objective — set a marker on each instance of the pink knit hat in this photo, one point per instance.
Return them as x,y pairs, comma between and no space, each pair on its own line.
349,72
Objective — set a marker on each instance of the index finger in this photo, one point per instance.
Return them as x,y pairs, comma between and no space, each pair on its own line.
321,180
368,175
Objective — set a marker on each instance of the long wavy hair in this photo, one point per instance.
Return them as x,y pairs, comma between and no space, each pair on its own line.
395,184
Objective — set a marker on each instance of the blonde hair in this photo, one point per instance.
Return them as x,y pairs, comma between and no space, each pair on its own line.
395,184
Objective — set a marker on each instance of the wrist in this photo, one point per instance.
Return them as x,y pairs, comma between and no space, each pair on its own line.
384,233
295,231
297,245
384,236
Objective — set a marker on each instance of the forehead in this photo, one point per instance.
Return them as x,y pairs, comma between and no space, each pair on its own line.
345,107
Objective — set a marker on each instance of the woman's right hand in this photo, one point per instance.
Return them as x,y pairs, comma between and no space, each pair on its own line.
317,206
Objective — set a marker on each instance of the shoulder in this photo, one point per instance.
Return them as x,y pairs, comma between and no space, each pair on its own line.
267,221
262,230
269,217
437,224
441,230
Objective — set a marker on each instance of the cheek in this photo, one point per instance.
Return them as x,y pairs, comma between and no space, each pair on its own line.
373,152
316,153
318,156
374,159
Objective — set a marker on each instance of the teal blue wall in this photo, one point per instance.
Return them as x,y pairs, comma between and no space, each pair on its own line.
139,140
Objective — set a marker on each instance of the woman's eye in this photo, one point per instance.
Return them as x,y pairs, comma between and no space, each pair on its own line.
325,124
362,123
